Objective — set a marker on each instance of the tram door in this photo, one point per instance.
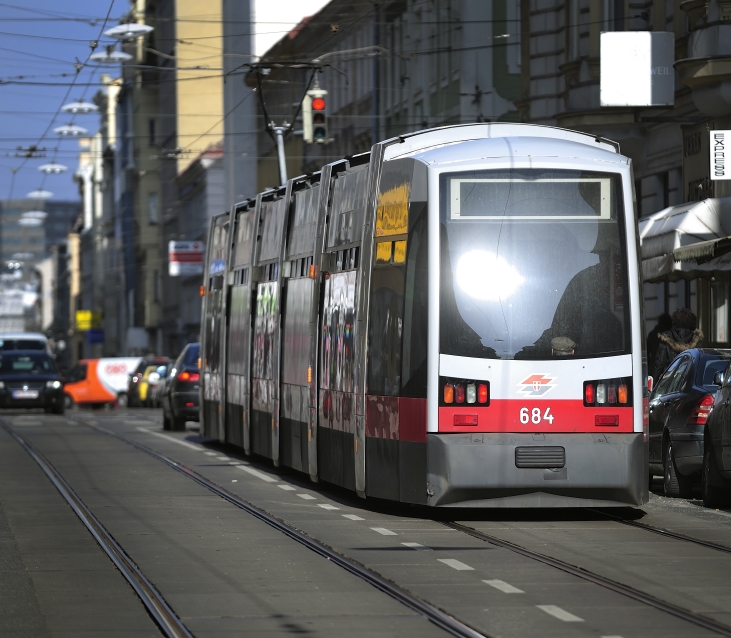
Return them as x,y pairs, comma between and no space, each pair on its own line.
338,356
300,293
238,331
264,428
212,389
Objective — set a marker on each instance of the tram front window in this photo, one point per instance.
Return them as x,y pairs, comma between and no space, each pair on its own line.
533,265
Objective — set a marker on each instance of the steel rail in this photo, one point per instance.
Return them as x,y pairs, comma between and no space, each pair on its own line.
437,616
666,532
607,583
155,604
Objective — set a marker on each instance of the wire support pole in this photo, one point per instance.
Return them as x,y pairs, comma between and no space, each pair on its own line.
279,132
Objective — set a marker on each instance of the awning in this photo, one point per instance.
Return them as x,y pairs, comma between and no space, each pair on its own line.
687,241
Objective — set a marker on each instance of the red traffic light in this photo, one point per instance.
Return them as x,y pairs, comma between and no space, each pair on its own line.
318,104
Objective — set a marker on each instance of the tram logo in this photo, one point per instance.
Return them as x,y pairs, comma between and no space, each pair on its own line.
536,385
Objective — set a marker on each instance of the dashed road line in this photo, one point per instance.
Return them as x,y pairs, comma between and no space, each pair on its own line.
353,517
503,586
190,446
327,506
257,473
287,488
456,564
559,613
417,546
210,453
384,531
307,497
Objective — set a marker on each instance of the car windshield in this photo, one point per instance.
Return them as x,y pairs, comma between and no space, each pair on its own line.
25,363
707,370
22,344
190,360
533,265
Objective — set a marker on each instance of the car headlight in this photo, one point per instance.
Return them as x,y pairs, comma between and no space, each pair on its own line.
2,385
53,384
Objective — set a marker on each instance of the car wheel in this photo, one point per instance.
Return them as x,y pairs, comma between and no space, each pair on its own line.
675,484
178,423
166,423
122,400
712,496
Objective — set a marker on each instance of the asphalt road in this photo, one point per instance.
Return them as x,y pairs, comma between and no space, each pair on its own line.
225,572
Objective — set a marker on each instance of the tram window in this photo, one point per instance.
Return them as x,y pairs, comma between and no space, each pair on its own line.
531,255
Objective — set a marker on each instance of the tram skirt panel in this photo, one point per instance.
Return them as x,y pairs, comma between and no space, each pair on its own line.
295,413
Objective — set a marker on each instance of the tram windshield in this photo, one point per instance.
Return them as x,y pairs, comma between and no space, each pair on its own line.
533,265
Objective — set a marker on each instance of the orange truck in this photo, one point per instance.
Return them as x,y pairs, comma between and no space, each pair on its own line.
100,381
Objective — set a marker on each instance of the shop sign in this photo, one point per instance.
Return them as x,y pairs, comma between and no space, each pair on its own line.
88,320
720,153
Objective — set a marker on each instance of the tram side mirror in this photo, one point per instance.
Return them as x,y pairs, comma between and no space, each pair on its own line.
718,378
650,383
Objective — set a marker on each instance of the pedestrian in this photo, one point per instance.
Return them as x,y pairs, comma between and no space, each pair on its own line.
683,335
664,323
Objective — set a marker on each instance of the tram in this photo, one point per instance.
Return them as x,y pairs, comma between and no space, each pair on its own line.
451,319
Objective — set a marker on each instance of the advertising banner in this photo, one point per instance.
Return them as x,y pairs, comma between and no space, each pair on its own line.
185,258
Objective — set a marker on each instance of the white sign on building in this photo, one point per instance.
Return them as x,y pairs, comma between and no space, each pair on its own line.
637,68
185,258
720,153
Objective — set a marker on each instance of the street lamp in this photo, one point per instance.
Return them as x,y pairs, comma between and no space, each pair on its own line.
30,222
129,31
70,130
35,214
53,167
110,57
39,194
79,107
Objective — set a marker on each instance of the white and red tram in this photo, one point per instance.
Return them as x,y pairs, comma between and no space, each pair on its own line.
453,319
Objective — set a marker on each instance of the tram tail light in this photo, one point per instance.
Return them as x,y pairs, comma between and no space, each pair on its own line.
601,393
623,393
700,413
465,419
612,394
589,394
606,419
448,393
471,393
483,393
459,393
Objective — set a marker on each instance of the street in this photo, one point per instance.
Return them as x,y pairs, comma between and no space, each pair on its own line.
226,570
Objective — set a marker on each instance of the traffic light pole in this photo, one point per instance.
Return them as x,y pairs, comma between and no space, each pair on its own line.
279,132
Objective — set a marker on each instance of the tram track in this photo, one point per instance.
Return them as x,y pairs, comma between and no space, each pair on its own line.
433,613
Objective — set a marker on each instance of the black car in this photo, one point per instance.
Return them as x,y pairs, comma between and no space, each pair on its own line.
680,404
133,385
180,396
29,379
717,447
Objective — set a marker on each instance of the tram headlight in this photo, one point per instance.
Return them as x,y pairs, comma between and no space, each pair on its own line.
601,393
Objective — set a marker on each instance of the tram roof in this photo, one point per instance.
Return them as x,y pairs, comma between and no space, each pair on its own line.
501,139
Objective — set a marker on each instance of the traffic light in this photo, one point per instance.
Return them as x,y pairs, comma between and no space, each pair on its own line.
314,117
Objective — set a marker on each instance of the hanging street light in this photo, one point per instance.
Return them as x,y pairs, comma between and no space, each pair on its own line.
80,107
129,31
70,130
110,57
53,167
39,194
30,222
34,214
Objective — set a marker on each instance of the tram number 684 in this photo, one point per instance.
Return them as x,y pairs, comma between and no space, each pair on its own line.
528,415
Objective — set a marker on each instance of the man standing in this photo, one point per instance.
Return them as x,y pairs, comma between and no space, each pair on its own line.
683,335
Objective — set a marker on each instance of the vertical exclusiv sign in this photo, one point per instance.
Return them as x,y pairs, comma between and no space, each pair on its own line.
719,147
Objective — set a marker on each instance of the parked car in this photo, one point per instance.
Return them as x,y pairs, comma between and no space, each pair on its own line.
181,396
158,385
133,387
29,379
680,404
99,381
716,472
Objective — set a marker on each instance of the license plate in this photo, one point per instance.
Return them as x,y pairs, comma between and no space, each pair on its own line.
25,394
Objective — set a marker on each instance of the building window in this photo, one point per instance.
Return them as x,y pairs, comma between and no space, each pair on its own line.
152,140
719,311
152,207
613,15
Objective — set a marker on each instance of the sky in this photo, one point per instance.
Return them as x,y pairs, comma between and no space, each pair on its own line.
40,43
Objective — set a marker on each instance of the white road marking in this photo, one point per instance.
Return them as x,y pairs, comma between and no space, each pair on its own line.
257,473
327,506
223,458
384,531
503,586
210,453
287,488
172,438
417,547
234,480
307,497
456,564
611,636
353,517
234,462
559,613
